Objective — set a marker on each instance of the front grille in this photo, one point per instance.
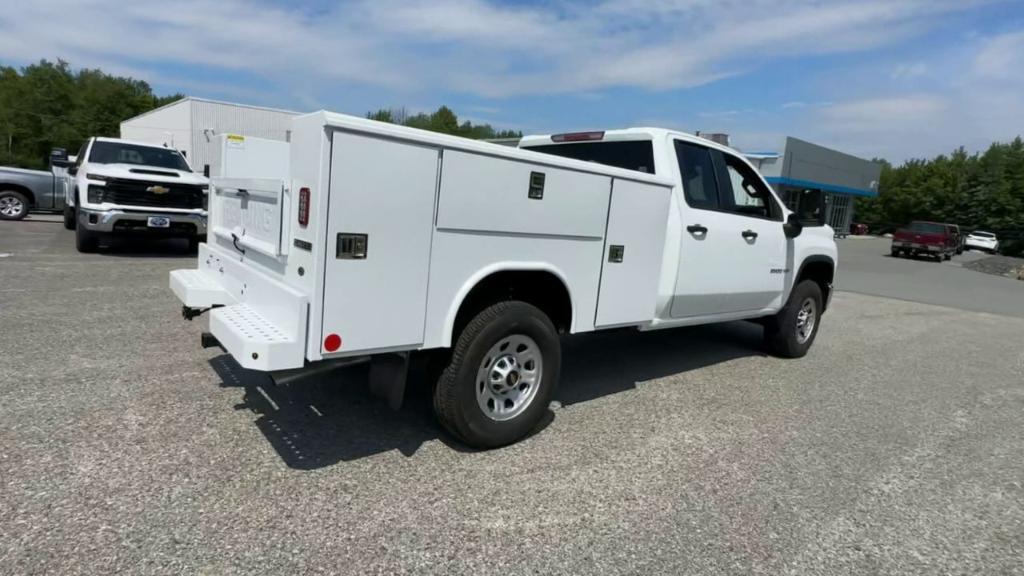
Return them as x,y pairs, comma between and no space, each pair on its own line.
139,193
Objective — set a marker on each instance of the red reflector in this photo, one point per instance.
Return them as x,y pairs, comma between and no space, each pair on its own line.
303,206
332,342
578,137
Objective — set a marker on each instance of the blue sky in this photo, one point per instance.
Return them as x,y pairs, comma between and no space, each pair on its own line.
897,79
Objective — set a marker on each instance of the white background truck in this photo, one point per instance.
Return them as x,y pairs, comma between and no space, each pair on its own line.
373,241
123,187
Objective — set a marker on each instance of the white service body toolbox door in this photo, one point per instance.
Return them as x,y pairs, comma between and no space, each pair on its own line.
634,244
380,223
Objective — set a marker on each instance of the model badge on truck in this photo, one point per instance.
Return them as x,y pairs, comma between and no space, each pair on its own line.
158,189
779,271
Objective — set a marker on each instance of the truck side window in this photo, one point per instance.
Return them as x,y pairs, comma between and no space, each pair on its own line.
700,185
743,192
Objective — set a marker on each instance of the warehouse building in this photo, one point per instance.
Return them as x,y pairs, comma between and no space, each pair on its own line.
192,125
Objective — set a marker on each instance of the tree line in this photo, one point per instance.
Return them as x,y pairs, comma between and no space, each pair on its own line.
48,105
981,191
441,120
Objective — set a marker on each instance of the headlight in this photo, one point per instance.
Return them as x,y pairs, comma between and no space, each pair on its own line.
95,195
97,177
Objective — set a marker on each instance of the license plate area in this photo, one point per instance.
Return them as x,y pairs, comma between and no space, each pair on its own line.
158,222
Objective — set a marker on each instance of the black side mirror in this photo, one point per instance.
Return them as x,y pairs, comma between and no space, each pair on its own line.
793,226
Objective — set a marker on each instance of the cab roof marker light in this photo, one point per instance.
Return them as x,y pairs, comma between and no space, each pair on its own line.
578,137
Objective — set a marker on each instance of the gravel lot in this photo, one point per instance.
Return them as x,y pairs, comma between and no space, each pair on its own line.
896,446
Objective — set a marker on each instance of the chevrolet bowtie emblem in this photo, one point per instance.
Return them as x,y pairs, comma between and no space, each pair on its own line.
158,189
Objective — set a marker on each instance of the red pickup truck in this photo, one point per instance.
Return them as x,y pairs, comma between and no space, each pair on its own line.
930,238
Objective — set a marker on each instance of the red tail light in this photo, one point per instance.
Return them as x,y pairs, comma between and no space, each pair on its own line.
303,206
578,137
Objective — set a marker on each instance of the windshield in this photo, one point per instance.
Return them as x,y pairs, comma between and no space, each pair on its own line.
983,234
927,228
120,153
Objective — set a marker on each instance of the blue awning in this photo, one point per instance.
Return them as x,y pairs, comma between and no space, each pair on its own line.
807,184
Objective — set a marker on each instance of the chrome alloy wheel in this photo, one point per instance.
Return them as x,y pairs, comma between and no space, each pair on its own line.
509,377
806,319
11,206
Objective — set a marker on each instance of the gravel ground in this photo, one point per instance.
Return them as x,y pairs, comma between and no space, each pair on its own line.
896,446
999,265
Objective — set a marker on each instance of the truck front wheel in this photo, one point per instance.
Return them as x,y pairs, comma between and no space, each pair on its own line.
69,218
503,370
85,241
791,332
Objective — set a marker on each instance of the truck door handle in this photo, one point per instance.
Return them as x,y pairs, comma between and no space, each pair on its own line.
749,234
697,229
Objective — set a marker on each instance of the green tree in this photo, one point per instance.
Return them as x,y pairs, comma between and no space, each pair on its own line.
442,120
47,105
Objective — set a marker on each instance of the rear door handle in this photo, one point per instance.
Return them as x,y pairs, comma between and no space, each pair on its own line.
749,234
697,229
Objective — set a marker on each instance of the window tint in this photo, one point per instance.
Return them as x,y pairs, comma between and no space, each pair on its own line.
744,192
927,227
632,155
700,185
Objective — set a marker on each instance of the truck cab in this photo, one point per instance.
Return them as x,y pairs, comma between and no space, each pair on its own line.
360,240
732,248
124,187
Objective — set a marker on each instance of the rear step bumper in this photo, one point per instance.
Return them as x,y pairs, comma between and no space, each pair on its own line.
257,319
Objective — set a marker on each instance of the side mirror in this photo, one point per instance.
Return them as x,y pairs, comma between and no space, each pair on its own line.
793,226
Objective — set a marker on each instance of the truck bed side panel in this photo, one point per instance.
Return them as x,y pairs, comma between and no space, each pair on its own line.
385,191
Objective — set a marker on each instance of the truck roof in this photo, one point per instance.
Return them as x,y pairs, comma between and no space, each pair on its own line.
455,142
132,142
627,134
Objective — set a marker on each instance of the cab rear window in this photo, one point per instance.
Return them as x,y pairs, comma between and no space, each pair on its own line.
927,228
632,155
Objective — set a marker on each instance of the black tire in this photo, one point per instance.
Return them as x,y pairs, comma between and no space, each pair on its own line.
193,244
86,241
69,218
13,205
895,253
780,331
455,396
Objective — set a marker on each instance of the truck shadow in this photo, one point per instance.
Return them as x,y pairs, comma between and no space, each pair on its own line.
329,419
135,246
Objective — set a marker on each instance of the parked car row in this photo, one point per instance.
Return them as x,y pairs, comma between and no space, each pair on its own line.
112,187
939,240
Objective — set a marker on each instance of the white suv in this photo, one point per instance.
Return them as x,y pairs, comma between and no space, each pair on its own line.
979,240
122,187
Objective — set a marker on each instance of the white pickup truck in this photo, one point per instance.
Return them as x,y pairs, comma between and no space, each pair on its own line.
124,187
374,240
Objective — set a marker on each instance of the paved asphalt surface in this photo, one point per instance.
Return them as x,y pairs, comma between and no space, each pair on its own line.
866,267
896,446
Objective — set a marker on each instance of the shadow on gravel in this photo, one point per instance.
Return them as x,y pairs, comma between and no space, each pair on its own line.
332,418
130,246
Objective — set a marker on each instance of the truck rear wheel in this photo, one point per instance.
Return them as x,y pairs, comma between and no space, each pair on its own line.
85,241
791,332
503,370
13,205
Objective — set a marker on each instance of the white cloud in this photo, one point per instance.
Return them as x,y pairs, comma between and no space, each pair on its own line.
474,46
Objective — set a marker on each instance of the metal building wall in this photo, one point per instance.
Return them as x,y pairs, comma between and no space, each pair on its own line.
210,119
169,126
